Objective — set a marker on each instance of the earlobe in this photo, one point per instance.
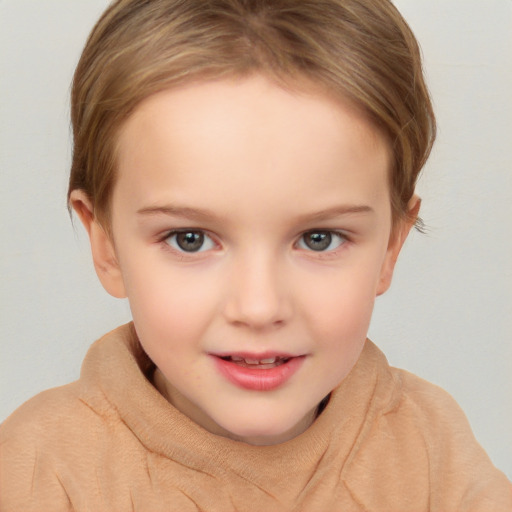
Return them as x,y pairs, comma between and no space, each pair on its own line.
102,247
396,243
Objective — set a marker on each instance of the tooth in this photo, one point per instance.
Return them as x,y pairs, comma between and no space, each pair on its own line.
270,360
251,361
236,359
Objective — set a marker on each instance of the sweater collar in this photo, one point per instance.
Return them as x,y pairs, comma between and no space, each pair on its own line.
117,365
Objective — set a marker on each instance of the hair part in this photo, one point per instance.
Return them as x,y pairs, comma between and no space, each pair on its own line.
360,50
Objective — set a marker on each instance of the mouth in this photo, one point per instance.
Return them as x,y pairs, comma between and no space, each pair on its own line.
257,364
264,372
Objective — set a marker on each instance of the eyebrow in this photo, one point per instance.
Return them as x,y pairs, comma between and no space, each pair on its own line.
336,211
200,214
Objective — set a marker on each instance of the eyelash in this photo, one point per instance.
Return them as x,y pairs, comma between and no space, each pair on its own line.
300,243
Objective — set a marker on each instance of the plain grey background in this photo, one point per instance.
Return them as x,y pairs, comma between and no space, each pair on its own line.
448,315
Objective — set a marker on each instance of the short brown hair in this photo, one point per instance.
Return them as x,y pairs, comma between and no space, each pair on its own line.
362,50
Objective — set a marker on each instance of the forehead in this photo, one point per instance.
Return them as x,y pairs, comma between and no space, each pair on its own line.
240,138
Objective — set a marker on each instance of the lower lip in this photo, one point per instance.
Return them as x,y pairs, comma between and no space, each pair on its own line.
258,380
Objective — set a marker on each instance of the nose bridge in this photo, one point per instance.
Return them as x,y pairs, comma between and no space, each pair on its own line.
258,292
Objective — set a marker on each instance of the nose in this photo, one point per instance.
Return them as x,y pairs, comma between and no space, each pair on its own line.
258,296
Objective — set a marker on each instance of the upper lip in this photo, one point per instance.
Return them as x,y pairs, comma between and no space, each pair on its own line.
256,356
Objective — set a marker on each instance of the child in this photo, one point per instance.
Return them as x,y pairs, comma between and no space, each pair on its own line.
245,170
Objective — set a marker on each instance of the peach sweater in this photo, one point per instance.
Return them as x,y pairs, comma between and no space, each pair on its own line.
387,441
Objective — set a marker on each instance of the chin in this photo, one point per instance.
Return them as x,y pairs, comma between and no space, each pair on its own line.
267,429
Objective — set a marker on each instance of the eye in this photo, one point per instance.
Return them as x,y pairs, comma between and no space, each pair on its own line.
190,241
321,241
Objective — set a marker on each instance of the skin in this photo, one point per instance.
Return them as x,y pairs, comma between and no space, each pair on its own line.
257,169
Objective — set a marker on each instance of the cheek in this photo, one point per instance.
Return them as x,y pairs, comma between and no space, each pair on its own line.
339,326
167,304
340,304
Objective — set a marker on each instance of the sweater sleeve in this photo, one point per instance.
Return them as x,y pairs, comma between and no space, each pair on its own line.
28,482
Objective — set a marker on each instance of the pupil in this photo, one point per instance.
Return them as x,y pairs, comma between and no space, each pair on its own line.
190,241
318,241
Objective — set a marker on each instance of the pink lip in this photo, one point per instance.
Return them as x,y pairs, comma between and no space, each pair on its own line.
252,355
258,379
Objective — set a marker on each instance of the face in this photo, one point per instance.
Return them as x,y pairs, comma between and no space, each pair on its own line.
251,234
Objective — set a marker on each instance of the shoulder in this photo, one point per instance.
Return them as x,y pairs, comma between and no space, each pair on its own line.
416,451
38,441
39,417
427,406
428,421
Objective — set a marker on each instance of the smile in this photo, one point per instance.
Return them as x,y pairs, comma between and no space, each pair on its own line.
257,364
263,373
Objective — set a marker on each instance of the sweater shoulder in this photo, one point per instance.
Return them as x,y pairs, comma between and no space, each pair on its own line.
424,401
40,415
33,439
50,425
426,413
429,419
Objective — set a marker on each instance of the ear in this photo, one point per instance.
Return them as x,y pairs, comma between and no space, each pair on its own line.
396,241
102,247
